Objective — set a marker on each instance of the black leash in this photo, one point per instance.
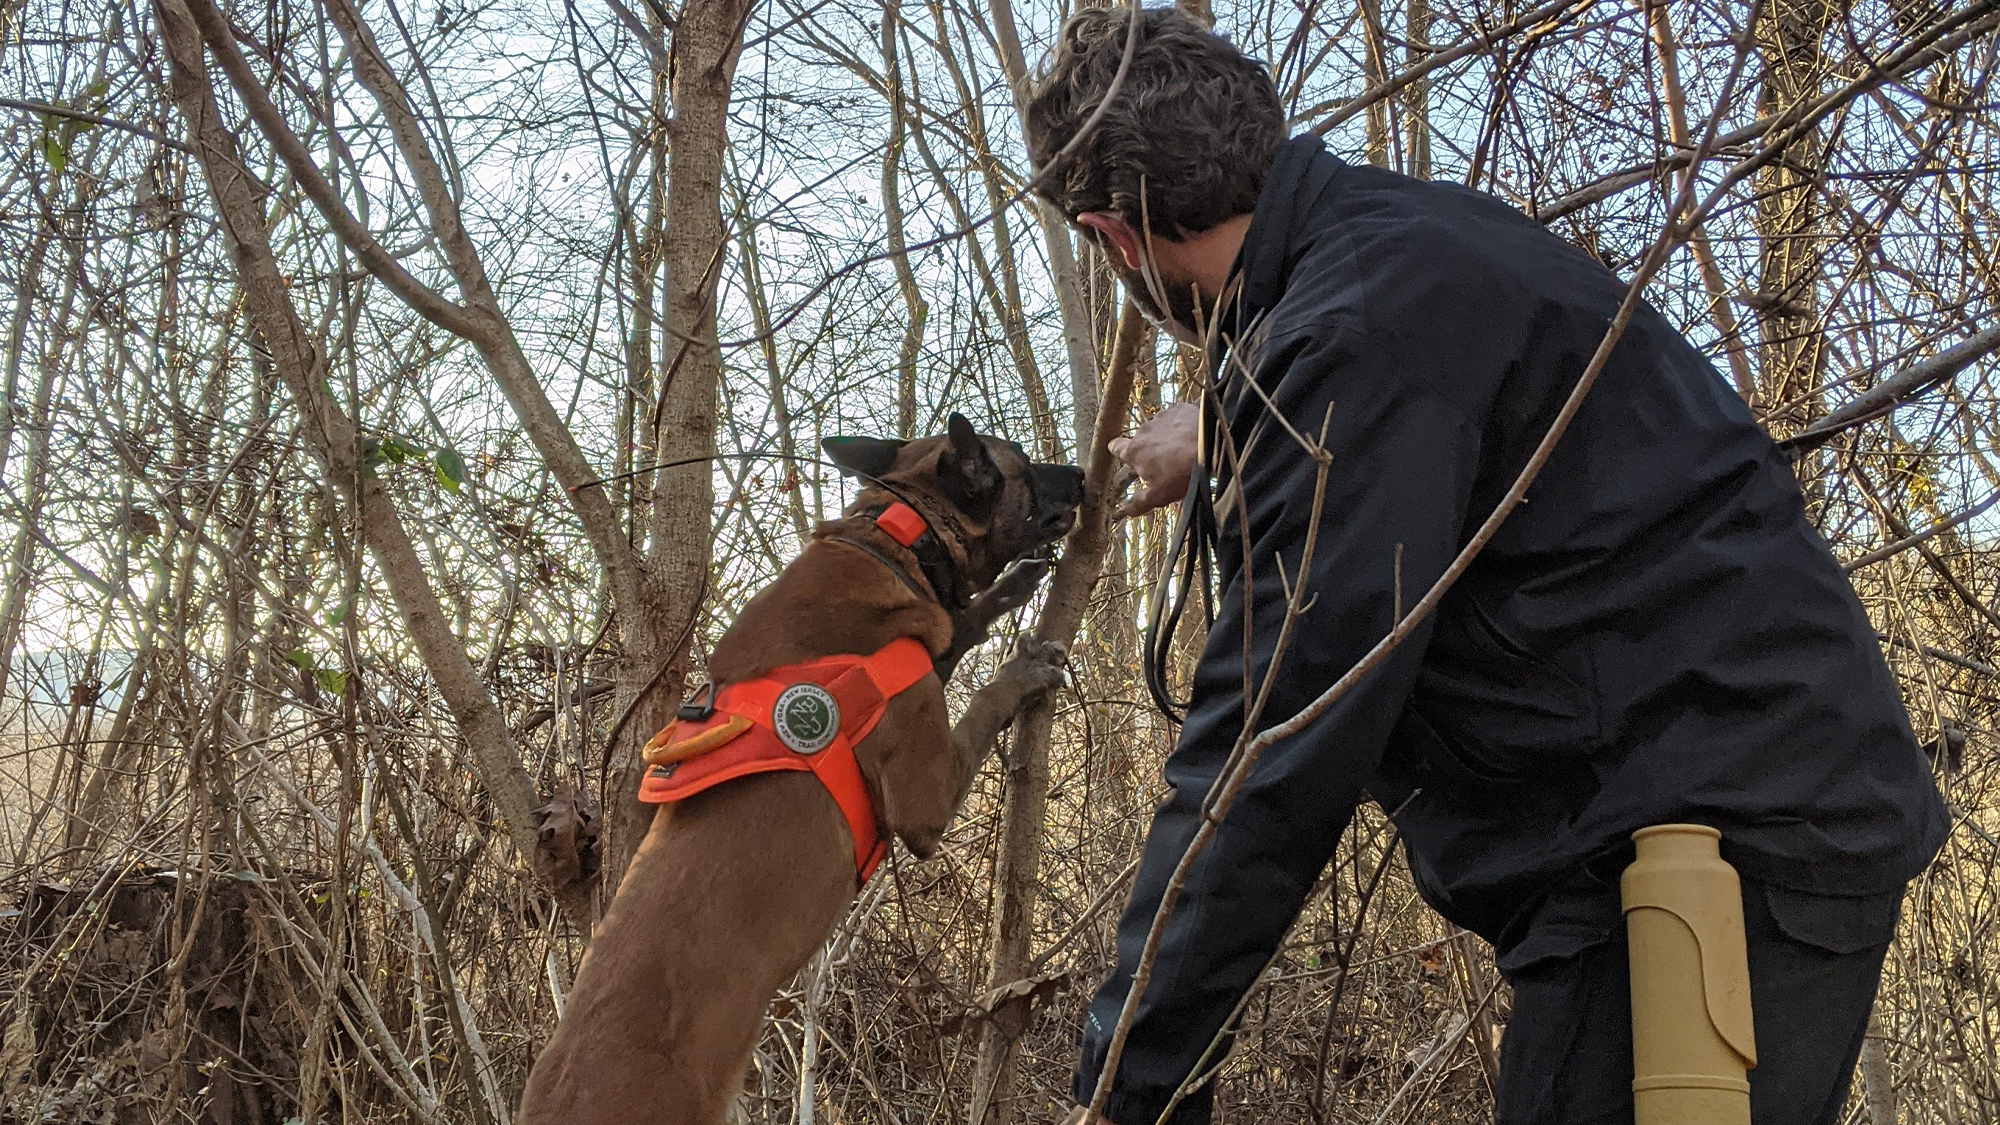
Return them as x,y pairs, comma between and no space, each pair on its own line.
1190,559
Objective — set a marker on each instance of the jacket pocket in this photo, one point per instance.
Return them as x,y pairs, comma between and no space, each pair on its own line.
1572,920
1552,943
1835,923
1493,706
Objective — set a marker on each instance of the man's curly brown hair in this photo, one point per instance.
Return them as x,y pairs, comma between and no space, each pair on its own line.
1196,122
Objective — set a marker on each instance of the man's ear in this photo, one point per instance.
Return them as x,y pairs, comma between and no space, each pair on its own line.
864,457
966,473
1116,231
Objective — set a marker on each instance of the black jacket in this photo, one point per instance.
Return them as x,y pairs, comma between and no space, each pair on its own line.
1656,635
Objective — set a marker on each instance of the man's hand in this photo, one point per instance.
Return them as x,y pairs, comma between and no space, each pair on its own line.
1162,453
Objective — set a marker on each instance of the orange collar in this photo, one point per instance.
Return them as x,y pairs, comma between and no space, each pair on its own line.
939,563
902,523
806,716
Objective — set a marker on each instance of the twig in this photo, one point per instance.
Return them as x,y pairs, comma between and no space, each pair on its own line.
1097,904
1897,390
1446,1043
1904,544
95,119
1546,14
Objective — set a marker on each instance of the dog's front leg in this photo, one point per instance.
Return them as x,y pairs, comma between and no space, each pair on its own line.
1035,670
1009,592
923,782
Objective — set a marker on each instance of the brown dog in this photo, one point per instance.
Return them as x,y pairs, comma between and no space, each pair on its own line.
734,887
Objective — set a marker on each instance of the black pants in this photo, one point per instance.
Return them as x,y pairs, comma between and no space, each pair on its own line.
1814,965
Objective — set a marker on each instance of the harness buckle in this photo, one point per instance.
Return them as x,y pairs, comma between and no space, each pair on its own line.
699,708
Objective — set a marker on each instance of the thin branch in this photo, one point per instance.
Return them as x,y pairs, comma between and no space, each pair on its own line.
95,119
1900,389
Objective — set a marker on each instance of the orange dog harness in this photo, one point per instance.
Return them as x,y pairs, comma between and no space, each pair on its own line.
806,716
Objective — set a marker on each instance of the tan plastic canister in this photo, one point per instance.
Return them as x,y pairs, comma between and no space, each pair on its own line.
1692,1041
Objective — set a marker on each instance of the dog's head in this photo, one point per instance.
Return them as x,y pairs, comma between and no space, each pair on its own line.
998,505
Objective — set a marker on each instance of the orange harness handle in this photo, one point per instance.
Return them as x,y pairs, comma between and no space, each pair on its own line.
806,716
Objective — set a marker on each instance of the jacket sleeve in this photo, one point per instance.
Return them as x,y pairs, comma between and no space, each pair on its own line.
1403,463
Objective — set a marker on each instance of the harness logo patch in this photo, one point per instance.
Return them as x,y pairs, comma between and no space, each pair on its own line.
806,718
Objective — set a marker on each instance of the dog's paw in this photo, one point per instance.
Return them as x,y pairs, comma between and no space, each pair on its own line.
923,843
1015,586
1036,668
1028,647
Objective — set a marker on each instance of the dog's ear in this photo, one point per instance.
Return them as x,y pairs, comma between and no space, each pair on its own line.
966,473
865,457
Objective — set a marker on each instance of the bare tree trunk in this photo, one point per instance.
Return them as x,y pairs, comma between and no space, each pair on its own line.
1022,821
1023,826
1720,313
1375,69
914,306
1788,217
1076,319
643,248
1416,96
706,42
1000,277
1878,1085
781,408
19,564
333,438
644,683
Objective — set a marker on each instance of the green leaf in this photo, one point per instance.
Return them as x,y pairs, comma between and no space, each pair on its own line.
450,470
340,612
301,659
59,133
333,681
55,150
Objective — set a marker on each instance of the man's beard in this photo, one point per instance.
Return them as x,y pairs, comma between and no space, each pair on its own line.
1182,318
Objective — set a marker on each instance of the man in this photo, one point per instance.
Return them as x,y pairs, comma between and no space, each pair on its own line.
1657,635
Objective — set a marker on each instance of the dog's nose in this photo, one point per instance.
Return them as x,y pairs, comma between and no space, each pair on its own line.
1059,485
1072,485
